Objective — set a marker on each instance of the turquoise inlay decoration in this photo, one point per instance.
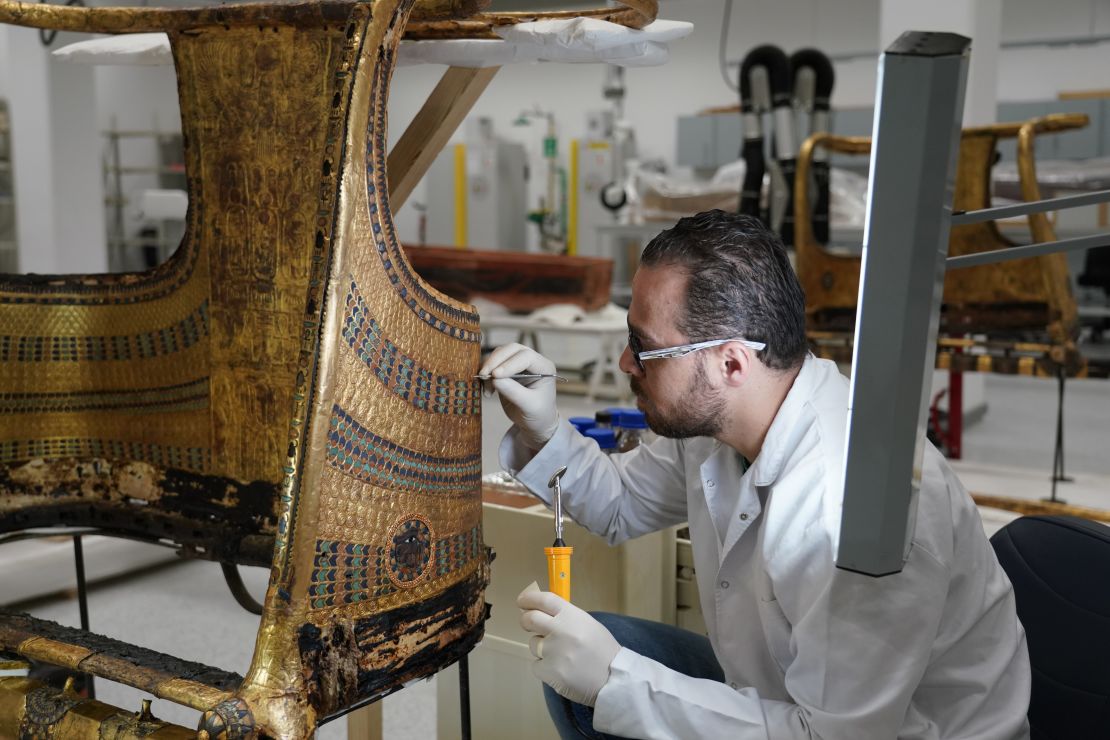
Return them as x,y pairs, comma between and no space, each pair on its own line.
366,576
402,374
148,345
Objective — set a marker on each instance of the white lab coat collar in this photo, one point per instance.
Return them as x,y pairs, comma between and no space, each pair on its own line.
786,430
782,440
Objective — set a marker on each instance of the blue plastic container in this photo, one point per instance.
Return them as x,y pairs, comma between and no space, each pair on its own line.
582,423
618,413
633,419
606,439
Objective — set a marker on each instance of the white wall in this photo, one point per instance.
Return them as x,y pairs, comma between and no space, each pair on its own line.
145,97
55,157
689,82
1041,72
656,96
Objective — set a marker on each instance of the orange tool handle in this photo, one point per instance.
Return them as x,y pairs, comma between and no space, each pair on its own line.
558,570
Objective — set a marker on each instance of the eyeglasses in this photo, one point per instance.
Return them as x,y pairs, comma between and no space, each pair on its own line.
639,354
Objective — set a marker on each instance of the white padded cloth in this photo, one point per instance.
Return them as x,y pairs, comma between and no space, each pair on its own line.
575,40
591,33
126,48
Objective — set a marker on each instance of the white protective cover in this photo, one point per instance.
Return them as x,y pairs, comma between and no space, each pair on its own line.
575,40
150,49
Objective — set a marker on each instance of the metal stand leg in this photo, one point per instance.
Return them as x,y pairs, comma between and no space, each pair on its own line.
955,415
82,600
464,696
1058,455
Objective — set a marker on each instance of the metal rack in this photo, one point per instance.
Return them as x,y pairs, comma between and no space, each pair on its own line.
123,248
9,254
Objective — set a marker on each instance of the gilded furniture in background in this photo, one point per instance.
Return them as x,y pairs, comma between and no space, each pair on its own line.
1025,308
284,391
1013,317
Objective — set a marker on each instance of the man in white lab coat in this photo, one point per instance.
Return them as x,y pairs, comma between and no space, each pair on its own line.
751,456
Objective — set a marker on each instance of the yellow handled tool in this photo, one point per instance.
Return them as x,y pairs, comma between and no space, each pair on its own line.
558,555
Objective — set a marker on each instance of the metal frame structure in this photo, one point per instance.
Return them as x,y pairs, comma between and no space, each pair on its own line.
922,78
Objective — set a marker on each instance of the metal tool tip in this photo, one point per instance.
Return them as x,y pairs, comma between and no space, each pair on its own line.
556,476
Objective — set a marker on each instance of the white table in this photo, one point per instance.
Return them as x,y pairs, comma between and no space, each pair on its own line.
611,335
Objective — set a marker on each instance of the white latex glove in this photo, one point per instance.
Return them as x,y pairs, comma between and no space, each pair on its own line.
573,650
530,404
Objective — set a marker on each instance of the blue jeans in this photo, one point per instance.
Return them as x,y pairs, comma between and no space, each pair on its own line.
678,649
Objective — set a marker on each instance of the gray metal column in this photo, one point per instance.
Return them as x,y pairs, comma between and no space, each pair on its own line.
922,77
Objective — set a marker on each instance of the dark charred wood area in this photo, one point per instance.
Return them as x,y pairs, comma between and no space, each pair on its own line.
15,628
444,625
206,517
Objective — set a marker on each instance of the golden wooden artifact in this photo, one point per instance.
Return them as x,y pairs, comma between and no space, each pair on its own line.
1013,317
1030,507
1025,307
284,391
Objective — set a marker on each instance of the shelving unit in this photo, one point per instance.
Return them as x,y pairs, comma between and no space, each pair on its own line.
128,247
9,253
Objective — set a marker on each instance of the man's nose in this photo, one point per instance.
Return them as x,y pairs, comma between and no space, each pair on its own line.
627,364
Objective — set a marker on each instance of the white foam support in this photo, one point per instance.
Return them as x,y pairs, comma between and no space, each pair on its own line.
582,34
149,49
164,205
574,41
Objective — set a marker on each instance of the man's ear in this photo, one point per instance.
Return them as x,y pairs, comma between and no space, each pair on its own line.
736,364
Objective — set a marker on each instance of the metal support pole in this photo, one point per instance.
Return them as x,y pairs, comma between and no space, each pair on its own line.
922,77
909,213
116,249
82,601
1058,456
464,696
1024,209
1029,250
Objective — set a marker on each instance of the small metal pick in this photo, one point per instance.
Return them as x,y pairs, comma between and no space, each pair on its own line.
554,483
522,376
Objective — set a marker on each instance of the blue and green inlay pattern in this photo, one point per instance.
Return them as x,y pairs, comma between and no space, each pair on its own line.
407,285
401,374
347,573
190,396
185,458
120,347
356,451
458,548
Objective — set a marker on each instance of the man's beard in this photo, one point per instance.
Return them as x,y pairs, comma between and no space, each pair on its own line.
701,413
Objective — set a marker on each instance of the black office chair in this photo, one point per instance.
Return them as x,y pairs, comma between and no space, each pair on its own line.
1096,269
1096,274
1060,568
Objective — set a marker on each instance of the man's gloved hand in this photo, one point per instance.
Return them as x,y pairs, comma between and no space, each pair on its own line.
573,649
529,404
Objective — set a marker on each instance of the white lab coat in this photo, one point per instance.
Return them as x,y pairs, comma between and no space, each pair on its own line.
808,651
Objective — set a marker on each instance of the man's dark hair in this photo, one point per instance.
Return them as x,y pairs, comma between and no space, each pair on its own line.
741,284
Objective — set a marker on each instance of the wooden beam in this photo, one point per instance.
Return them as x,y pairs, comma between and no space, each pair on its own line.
1029,507
443,111
366,723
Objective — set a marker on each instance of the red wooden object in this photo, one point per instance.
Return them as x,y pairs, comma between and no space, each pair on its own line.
520,281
